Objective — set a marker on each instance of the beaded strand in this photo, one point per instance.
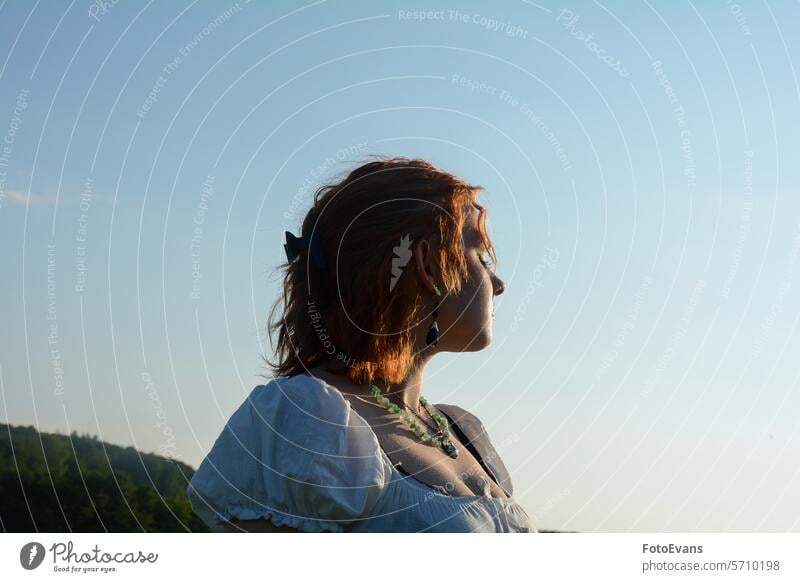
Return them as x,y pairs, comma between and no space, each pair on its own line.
440,439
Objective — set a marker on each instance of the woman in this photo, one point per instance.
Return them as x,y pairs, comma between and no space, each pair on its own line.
393,267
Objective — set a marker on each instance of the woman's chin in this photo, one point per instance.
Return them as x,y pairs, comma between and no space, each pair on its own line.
481,340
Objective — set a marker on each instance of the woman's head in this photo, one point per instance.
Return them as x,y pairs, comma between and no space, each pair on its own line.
387,233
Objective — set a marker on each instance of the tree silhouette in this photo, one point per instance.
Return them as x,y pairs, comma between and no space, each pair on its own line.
59,483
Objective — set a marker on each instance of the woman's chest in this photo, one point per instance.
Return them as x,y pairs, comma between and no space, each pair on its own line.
430,465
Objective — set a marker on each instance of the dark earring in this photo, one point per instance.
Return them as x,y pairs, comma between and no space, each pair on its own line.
433,333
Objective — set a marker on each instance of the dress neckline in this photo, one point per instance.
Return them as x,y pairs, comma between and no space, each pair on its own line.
405,477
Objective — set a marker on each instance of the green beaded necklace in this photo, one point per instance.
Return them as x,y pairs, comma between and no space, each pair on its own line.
440,439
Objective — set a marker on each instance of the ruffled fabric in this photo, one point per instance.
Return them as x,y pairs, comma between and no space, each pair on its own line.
295,453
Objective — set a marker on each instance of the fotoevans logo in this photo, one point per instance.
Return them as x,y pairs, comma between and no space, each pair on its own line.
31,555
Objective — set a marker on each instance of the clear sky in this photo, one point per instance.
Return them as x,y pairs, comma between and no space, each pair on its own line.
640,167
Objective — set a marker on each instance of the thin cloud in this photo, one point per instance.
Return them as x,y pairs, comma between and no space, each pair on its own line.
18,198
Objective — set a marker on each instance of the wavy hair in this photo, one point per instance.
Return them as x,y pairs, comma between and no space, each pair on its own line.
348,311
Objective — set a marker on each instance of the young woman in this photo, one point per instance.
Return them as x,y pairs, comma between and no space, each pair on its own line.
394,265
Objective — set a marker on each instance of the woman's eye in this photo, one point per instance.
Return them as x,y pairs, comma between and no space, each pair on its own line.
486,261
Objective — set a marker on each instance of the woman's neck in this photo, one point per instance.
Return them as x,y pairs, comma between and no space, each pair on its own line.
405,393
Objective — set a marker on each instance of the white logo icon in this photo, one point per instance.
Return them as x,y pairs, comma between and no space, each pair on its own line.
402,254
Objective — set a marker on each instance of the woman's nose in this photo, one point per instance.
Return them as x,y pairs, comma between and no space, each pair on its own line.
499,286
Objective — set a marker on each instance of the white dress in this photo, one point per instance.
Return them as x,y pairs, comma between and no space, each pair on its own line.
296,452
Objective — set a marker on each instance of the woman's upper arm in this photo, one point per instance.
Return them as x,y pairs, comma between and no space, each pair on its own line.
257,526
290,458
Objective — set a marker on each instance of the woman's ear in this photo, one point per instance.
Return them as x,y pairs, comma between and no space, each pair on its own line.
423,258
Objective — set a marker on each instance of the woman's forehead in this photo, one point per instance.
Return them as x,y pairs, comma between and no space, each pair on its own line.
471,235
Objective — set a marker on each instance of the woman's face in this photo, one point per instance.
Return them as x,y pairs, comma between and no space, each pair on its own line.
465,320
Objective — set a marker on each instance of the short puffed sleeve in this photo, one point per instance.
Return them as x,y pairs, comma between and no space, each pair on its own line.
293,452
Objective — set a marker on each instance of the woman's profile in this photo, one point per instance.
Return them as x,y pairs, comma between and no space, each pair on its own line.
393,265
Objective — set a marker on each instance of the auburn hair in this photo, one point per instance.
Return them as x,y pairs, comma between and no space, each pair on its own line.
349,311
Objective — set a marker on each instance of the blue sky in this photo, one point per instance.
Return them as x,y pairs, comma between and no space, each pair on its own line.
639,161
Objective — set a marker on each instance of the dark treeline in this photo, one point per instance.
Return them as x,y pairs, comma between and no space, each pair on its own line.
60,483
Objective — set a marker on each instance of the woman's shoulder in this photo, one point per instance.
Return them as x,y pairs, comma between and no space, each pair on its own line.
303,389
465,421
294,452
310,414
301,395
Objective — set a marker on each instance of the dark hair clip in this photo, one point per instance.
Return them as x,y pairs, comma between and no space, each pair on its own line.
295,245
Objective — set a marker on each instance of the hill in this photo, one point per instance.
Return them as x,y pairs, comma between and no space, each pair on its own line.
76,483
